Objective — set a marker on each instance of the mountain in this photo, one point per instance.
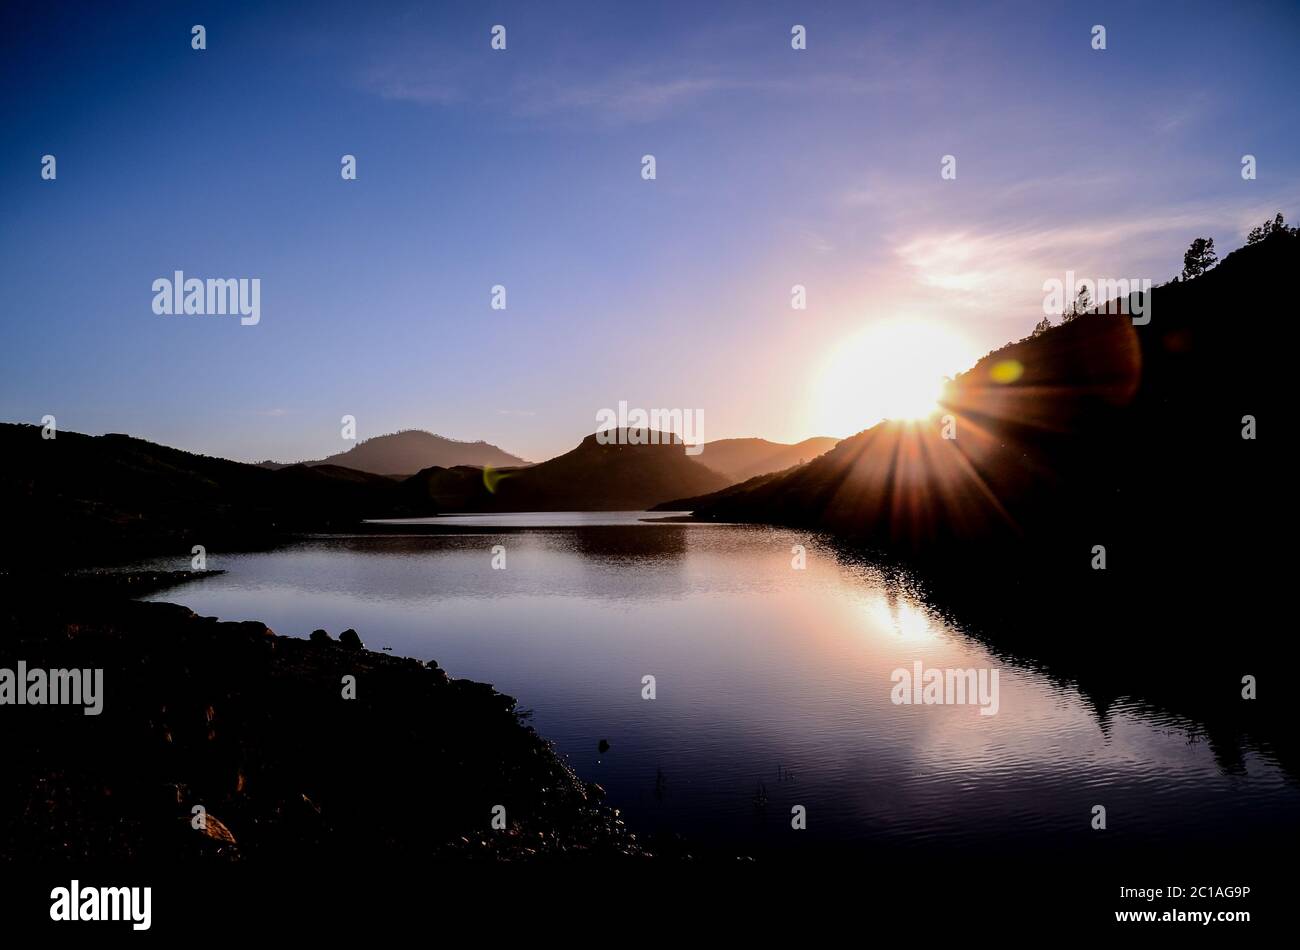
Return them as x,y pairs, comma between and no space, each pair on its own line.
713,500
1095,432
407,452
78,498
741,459
591,477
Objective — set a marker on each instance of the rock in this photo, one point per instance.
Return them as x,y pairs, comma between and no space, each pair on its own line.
214,828
280,728
161,614
604,746
351,640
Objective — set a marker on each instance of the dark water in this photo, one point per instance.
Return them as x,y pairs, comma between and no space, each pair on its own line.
773,686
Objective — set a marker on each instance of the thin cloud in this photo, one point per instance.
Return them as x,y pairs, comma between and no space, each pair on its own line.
998,269
398,83
625,96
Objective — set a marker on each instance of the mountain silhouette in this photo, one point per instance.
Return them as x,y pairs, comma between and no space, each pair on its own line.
81,499
741,459
411,450
591,477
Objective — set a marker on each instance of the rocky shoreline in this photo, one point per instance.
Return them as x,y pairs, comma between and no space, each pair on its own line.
221,742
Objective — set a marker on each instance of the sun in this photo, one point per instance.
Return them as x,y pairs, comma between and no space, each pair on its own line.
894,369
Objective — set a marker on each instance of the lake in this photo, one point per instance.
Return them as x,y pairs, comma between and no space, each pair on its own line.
774,685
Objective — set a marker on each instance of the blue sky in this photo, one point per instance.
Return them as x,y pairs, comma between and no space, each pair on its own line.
522,168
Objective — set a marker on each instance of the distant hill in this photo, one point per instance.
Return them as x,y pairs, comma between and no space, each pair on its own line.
79,498
407,452
741,459
591,477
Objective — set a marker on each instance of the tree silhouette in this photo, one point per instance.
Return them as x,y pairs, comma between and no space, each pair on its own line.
1266,230
1199,258
1082,303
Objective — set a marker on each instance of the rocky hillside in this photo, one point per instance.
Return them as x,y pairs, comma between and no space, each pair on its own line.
255,733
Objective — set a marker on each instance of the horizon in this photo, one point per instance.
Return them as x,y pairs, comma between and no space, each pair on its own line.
351,444
522,168
385,435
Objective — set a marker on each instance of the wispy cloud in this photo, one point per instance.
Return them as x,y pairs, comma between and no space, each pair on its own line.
617,98
994,269
621,95
430,85
620,98
817,242
1185,113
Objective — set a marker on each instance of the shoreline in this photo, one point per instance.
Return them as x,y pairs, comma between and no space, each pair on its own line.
222,742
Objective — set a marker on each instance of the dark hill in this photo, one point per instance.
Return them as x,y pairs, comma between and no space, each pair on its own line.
741,459
714,499
405,453
1112,434
78,498
592,477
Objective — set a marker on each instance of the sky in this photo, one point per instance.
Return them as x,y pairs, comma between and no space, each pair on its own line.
522,168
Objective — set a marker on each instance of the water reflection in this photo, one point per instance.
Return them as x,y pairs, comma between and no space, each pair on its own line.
773,685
